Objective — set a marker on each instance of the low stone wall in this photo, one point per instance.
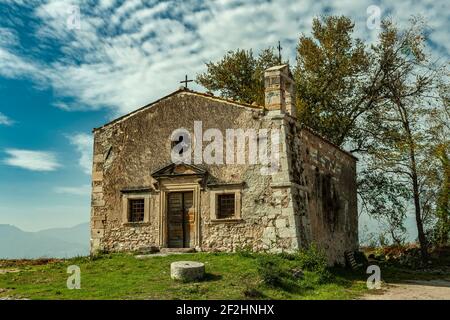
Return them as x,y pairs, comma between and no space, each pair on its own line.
130,238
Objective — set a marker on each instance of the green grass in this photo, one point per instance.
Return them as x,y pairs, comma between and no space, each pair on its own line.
393,272
122,276
397,274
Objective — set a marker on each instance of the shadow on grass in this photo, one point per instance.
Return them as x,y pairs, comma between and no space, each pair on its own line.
345,277
211,277
208,277
254,294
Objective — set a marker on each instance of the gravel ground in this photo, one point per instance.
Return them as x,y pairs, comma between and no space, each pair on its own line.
413,290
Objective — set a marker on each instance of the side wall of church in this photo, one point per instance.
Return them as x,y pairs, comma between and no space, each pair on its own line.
324,192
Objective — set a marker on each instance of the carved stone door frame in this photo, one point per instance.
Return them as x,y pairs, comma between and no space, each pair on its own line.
167,186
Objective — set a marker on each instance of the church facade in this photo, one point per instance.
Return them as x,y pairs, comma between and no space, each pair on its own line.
192,170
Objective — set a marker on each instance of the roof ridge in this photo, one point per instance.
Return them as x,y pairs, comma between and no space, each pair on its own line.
182,89
314,132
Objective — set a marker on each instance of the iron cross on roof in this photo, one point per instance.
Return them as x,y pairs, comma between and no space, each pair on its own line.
185,81
279,50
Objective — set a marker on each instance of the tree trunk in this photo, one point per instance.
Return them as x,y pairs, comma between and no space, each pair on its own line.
416,195
415,182
422,239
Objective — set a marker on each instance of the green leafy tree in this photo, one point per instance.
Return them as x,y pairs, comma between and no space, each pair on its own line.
443,203
239,75
443,198
385,199
333,82
439,168
397,127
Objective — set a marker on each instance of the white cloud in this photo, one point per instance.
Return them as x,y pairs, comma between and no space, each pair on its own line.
83,143
62,105
31,160
127,55
8,37
106,3
15,66
78,191
4,120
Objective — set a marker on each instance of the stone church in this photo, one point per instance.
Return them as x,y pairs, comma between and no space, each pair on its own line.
142,198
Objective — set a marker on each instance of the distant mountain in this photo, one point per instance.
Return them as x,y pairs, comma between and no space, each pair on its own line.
79,234
50,243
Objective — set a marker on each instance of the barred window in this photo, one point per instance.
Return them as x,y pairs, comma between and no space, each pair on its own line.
136,210
226,204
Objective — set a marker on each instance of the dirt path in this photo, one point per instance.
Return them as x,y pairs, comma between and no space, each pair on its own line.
413,290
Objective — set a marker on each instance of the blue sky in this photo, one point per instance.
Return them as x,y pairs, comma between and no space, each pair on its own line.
59,79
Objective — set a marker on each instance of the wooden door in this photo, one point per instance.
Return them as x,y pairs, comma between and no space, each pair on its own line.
180,215
189,217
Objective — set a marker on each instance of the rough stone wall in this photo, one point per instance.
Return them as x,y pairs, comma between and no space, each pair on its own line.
267,207
281,232
324,192
127,151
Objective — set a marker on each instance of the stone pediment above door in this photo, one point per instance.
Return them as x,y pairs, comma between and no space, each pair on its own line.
179,169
